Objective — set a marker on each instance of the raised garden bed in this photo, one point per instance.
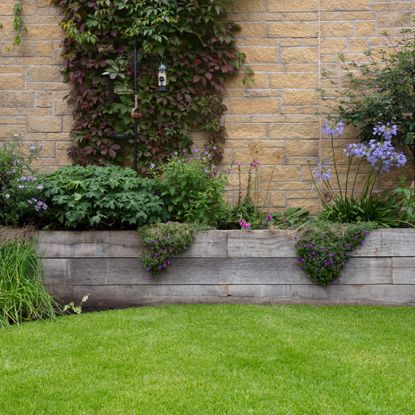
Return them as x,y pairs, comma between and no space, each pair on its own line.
223,267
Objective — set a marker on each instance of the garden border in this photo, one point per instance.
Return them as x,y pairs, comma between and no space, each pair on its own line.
256,267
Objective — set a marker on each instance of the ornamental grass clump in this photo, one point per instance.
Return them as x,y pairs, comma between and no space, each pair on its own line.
22,294
324,248
342,202
162,241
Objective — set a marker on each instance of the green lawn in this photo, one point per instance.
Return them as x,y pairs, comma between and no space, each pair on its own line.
223,359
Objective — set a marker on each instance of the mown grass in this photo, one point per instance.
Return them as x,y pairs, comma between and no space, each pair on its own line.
221,359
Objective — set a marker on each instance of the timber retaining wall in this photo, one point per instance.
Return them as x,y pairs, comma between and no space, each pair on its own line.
223,267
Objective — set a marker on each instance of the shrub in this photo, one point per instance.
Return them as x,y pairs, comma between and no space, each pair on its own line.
324,248
163,240
193,191
20,202
405,199
22,294
388,85
101,198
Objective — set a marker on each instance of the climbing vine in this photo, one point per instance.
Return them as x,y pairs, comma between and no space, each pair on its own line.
18,23
195,39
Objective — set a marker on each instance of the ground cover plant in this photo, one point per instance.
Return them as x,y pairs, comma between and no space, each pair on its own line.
209,360
324,247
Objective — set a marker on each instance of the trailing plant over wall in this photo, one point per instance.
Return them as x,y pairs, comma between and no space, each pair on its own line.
324,248
195,39
162,241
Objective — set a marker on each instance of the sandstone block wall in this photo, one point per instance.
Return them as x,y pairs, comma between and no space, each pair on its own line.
289,45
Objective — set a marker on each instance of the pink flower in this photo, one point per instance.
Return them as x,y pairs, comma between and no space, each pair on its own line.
269,217
244,224
254,163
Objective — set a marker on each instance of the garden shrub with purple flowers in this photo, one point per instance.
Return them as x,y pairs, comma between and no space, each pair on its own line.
20,196
324,248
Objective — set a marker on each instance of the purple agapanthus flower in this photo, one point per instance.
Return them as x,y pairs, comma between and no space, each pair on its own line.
323,171
334,131
387,131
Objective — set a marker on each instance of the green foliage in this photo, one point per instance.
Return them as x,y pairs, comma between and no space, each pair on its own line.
18,23
100,198
193,191
291,218
194,38
380,208
22,294
163,240
405,196
382,90
245,211
19,189
324,248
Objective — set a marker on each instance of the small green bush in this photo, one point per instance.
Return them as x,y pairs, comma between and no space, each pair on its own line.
22,294
163,240
20,202
101,198
324,248
193,191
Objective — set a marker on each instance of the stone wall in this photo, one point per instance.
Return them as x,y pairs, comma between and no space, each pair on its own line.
223,267
289,43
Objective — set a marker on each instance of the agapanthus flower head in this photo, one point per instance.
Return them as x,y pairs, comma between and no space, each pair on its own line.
323,171
386,131
334,131
357,150
382,156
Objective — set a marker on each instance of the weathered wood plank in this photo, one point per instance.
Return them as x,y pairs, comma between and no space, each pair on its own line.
389,243
118,296
199,271
404,271
334,294
261,244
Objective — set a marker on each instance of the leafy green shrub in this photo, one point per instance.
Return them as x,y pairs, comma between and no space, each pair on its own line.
324,248
405,198
193,191
163,240
388,82
20,202
244,215
101,197
22,294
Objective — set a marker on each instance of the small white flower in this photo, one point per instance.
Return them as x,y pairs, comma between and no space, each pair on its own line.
7,196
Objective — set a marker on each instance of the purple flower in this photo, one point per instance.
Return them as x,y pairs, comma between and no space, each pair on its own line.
322,171
387,131
254,164
244,224
334,131
40,206
269,217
